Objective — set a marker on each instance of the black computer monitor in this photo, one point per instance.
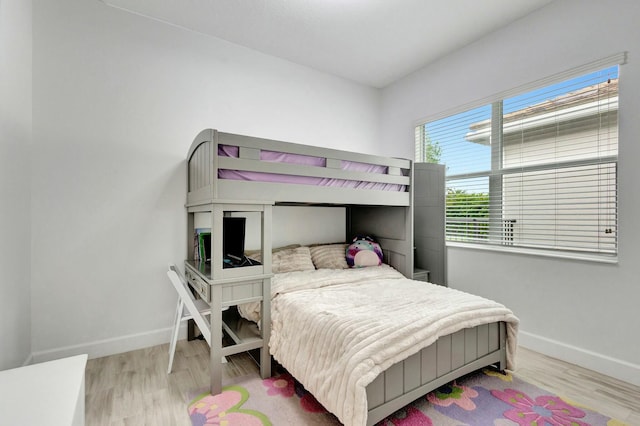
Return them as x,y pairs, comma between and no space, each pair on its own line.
233,229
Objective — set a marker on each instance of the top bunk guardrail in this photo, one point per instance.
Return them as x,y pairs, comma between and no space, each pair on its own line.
226,167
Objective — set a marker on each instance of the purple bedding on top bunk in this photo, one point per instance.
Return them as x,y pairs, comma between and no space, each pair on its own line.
307,160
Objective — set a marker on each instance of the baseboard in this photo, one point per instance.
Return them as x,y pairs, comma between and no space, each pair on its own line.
116,345
28,361
619,369
613,367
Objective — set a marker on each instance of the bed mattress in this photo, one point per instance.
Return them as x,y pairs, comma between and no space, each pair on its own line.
281,157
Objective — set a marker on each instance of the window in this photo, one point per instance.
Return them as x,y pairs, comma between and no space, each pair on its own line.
536,169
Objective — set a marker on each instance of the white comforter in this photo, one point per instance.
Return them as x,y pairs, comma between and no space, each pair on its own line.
335,331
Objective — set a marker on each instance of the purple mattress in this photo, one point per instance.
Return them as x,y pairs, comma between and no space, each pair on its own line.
307,160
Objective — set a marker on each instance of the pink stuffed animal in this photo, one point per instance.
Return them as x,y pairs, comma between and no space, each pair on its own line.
364,251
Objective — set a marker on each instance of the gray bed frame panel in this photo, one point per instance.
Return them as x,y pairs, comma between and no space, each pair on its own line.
445,360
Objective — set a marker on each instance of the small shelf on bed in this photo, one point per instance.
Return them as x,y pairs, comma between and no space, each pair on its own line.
240,330
420,274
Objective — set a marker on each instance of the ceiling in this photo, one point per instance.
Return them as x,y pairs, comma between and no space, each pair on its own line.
373,42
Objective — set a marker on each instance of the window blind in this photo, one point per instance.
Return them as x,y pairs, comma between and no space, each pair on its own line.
536,170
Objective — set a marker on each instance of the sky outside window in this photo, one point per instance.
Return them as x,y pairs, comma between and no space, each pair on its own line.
460,155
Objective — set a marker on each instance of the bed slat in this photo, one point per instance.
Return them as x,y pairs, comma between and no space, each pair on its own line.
470,344
255,165
394,381
314,151
375,392
443,356
494,337
249,153
457,350
428,367
483,340
292,193
411,379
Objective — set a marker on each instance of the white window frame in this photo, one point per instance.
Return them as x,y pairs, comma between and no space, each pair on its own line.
495,175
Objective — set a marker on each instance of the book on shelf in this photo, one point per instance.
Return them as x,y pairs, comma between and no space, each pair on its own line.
202,244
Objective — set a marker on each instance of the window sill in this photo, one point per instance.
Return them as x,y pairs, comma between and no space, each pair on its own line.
587,257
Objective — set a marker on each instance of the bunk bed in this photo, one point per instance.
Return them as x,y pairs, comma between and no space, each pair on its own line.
229,173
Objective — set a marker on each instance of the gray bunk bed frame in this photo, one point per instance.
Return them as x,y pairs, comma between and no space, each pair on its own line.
386,214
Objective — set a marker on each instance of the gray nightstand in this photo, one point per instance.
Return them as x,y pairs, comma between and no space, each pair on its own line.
421,275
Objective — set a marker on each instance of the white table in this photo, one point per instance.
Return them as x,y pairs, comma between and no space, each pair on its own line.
50,393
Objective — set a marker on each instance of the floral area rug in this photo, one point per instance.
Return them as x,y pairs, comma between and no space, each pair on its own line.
483,398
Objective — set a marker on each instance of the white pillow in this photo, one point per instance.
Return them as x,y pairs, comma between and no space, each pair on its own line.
257,254
290,260
329,256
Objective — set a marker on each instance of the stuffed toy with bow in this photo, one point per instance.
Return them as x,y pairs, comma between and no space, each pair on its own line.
364,251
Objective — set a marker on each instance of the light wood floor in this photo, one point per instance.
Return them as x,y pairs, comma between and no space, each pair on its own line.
134,389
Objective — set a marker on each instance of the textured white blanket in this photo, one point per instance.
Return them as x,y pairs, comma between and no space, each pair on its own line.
335,331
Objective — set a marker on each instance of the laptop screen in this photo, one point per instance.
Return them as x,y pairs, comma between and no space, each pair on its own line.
233,229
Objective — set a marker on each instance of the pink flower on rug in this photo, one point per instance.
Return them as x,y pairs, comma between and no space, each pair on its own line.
544,409
453,393
409,417
281,385
224,409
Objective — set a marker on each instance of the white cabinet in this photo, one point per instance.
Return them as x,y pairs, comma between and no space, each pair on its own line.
50,393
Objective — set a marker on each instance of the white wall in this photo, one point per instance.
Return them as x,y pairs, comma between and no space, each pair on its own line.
118,99
583,312
15,140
